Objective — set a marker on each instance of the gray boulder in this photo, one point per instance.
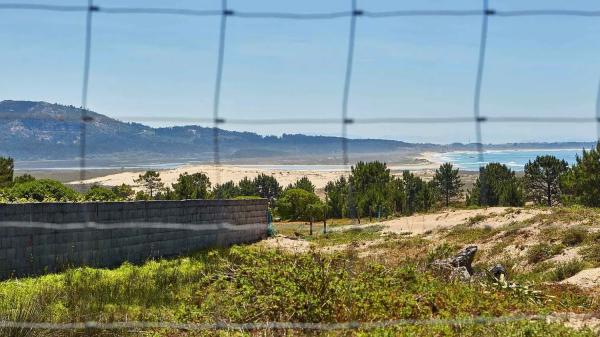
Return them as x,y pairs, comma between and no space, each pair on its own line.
458,266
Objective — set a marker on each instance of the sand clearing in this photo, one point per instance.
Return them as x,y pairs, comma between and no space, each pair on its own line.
419,224
587,278
225,173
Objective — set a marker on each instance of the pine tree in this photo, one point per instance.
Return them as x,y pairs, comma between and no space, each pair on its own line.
542,179
447,182
303,183
150,181
7,168
583,181
192,186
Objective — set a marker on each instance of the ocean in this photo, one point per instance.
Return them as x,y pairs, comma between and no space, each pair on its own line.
515,159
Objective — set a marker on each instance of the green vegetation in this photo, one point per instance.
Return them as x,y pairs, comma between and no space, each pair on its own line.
99,193
299,204
564,270
417,195
582,183
192,186
304,184
370,190
253,284
150,181
542,251
348,236
574,236
228,190
123,191
7,167
542,179
447,182
40,190
496,185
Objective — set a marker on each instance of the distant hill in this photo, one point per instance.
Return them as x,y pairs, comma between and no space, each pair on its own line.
41,130
45,131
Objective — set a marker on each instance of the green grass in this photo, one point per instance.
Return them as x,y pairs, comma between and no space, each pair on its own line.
567,269
464,234
251,284
575,214
356,234
574,236
542,251
301,228
256,284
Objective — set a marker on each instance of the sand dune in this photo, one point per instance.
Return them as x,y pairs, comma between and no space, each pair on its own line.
224,173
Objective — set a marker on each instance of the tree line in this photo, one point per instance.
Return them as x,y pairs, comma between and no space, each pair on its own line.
370,190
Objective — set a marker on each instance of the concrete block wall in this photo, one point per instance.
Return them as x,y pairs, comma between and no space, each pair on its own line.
37,238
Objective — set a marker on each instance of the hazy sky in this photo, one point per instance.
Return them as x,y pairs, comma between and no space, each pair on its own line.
164,66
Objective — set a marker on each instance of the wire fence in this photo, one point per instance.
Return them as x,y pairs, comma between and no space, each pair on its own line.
354,14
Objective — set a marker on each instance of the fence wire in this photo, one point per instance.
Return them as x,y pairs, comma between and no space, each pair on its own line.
354,13
353,325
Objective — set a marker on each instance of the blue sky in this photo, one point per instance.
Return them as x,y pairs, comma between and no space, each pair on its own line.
162,66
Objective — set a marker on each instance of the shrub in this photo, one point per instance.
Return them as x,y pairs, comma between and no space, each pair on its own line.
442,251
42,190
99,193
298,204
592,253
542,251
476,219
247,197
567,269
192,186
574,236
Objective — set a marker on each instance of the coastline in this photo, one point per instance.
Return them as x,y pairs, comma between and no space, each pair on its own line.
224,173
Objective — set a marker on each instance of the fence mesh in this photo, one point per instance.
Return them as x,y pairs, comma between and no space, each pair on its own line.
354,15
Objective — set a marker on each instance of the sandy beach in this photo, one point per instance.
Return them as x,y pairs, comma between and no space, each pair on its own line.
220,174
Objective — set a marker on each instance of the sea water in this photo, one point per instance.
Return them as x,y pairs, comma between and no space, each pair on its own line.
514,159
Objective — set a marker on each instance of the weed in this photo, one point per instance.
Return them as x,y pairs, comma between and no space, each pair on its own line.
567,269
542,251
592,253
442,251
574,236
476,219
464,234
356,234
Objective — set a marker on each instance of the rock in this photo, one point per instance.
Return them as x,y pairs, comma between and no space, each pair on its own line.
497,271
464,258
458,266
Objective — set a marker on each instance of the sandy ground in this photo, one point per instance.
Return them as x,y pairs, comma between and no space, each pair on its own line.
587,278
222,174
424,224
419,224
225,173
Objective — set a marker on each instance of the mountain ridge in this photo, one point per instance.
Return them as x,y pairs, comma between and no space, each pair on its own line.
37,130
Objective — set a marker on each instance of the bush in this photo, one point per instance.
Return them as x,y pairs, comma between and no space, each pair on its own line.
42,190
592,253
247,197
99,193
542,251
298,204
567,269
574,236
442,251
